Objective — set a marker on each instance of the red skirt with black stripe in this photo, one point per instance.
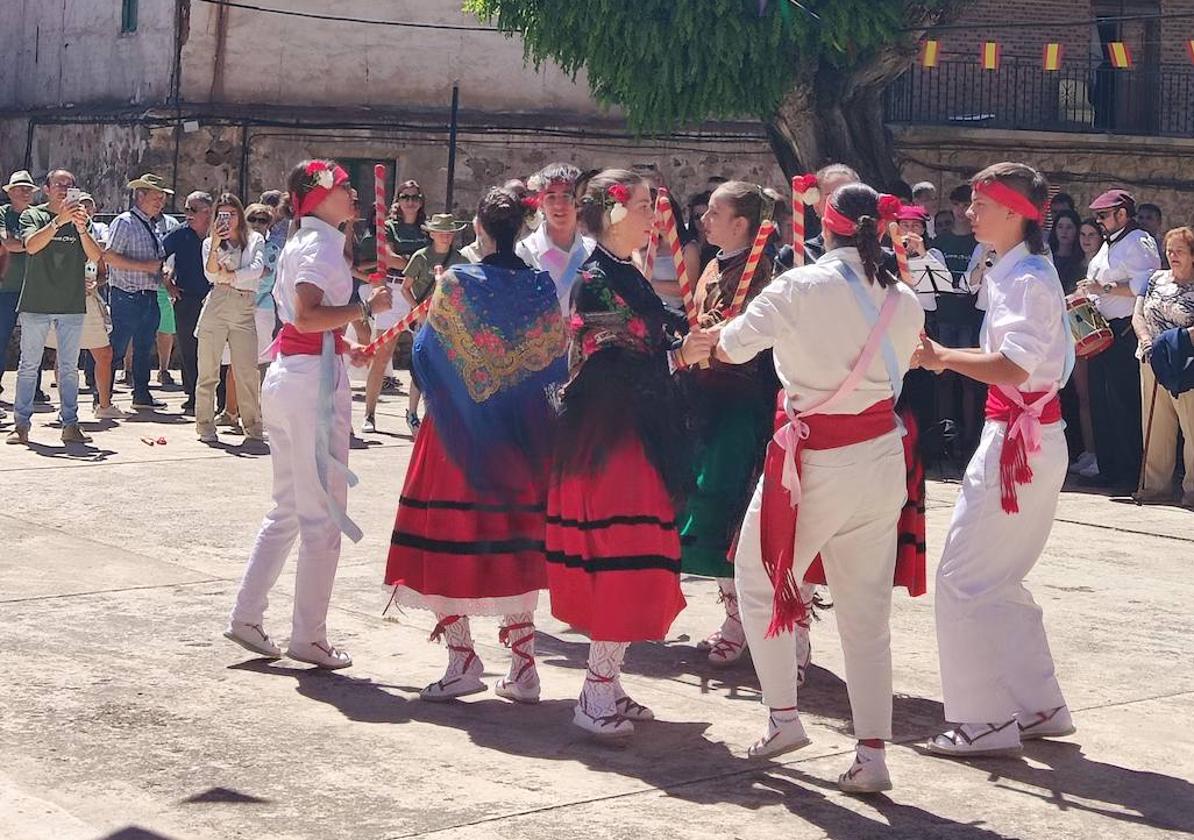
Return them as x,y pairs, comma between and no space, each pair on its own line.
613,549
457,551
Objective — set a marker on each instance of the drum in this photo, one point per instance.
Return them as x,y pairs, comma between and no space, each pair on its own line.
1092,335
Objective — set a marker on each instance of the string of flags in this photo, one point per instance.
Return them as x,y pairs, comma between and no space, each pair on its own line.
1119,54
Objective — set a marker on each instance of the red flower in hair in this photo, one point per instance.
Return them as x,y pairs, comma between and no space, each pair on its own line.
531,202
889,207
619,193
804,183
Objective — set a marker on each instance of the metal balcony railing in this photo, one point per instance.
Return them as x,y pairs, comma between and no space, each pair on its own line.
1156,100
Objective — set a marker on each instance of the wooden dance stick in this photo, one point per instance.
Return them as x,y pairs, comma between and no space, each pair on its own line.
414,315
668,217
379,220
797,222
653,244
901,252
752,265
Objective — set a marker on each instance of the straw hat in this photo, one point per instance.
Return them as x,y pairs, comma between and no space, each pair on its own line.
149,181
20,178
444,223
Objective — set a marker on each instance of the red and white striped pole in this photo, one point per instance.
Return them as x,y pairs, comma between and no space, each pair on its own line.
752,265
653,244
667,215
804,194
390,334
379,221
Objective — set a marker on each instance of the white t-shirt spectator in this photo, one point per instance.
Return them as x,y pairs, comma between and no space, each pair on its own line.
1130,257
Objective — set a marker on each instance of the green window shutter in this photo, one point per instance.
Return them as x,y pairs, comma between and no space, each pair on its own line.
128,15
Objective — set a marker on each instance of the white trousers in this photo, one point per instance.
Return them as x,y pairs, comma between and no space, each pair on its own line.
995,659
290,405
849,512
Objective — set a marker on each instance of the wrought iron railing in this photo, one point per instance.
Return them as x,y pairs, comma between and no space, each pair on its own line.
1155,100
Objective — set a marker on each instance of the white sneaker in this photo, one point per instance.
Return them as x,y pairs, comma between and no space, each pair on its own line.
319,654
868,773
110,412
457,684
369,426
976,740
1083,461
783,736
1054,723
252,637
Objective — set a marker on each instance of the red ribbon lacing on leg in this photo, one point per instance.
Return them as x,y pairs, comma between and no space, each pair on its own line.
441,628
517,645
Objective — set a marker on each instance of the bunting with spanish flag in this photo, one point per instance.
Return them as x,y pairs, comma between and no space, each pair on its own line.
991,55
1119,55
1053,56
930,50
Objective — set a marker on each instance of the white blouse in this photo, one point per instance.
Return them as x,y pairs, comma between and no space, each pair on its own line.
247,264
811,319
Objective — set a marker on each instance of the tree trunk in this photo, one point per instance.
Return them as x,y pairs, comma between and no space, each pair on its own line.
836,115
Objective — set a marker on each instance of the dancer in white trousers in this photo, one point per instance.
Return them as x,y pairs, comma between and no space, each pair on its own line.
842,331
996,669
307,412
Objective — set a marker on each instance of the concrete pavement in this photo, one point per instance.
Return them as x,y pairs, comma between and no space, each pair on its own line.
123,714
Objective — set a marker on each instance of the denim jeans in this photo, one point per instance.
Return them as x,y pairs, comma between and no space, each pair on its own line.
8,323
34,327
135,318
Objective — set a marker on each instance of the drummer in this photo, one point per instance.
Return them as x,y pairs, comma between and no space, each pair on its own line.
1117,274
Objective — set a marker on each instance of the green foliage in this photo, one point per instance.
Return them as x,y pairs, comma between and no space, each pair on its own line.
669,63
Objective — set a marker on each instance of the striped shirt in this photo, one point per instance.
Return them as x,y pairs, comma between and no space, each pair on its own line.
134,235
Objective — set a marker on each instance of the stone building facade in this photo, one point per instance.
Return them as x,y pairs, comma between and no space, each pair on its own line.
222,97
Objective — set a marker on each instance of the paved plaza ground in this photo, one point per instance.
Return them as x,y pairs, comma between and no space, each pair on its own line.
124,714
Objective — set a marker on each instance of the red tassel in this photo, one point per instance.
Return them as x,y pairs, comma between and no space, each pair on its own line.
1013,469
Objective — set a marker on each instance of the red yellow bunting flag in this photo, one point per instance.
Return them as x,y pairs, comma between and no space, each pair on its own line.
1120,55
1053,55
1190,48
929,51
991,55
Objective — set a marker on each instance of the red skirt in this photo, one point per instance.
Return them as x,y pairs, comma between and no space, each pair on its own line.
457,551
613,550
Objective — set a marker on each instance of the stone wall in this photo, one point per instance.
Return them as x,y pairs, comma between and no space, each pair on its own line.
1157,169
105,156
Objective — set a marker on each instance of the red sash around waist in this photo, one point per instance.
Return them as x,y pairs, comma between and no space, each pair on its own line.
292,342
779,510
1024,413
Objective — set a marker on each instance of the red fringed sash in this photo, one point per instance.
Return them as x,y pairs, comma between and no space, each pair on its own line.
1024,414
778,514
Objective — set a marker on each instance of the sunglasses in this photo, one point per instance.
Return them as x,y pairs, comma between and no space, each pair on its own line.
410,197
1104,214
259,220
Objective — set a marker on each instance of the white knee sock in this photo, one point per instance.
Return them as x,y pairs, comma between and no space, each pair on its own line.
518,634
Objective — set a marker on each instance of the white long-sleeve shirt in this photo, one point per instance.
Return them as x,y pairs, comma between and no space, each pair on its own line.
1026,317
247,264
540,253
1129,257
812,321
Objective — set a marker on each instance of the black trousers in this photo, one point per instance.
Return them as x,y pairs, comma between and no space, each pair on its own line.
1115,406
186,317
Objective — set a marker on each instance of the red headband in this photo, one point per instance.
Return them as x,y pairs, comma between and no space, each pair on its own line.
842,225
324,184
1005,196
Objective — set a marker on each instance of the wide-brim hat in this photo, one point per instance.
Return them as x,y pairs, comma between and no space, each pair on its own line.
20,178
149,181
444,223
